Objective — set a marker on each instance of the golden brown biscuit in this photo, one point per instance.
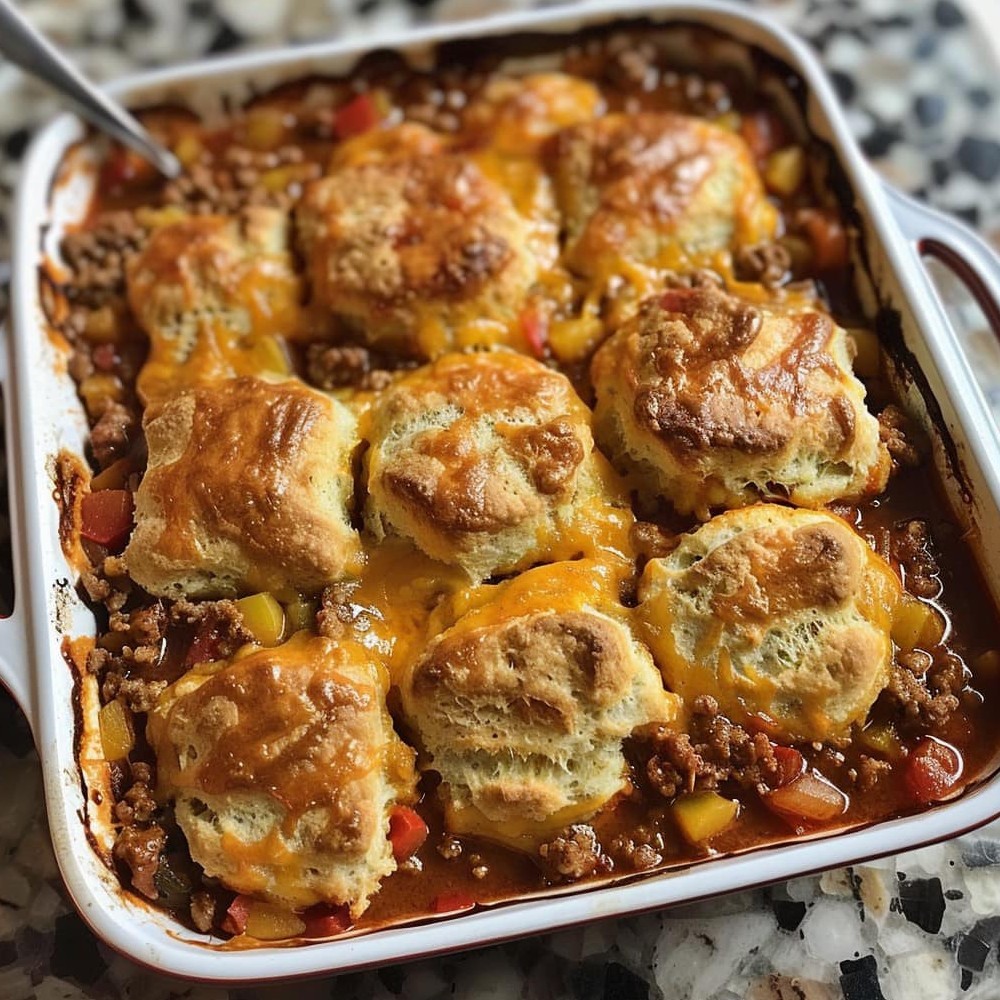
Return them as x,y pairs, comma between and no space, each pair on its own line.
215,295
247,489
656,190
406,141
515,114
484,461
508,121
782,615
283,767
419,253
522,705
718,402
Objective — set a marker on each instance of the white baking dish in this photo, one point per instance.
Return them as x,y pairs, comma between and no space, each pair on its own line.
44,416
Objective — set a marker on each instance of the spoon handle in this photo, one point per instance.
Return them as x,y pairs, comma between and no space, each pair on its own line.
26,47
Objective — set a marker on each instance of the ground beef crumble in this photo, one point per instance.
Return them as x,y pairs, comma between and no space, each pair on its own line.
700,278
107,583
137,806
335,612
219,628
639,850
911,548
869,772
715,752
450,848
240,178
147,626
98,257
138,694
574,854
768,263
139,849
650,541
334,366
900,436
111,435
926,690
203,910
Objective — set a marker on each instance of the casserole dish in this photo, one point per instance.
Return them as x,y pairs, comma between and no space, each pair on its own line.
44,419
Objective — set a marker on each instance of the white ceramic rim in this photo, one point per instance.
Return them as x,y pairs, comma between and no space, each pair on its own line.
27,637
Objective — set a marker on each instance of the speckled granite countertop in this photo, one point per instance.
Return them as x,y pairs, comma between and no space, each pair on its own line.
922,87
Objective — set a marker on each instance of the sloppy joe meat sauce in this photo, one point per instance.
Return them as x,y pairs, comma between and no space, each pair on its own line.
264,154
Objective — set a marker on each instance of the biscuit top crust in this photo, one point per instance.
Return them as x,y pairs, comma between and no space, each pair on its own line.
416,249
524,701
628,181
515,115
760,576
706,371
247,462
549,643
782,615
429,241
303,723
550,668
213,292
536,419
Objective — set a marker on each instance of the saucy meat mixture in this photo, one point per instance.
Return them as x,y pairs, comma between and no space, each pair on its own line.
384,633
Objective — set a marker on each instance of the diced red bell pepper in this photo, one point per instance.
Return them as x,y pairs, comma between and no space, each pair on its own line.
932,770
827,237
809,798
124,167
677,299
204,647
535,328
235,921
106,517
105,357
790,765
453,901
325,921
763,132
407,832
356,117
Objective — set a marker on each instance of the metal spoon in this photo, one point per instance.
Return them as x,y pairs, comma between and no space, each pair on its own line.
23,45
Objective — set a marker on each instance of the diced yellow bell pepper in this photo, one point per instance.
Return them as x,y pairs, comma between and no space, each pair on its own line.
300,614
157,218
784,170
730,121
97,389
269,356
570,339
701,815
117,735
268,922
882,738
103,325
867,352
188,149
114,477
916,625
279,179
265,128
263,617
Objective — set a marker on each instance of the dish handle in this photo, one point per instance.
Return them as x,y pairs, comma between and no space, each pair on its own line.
966,254
15,654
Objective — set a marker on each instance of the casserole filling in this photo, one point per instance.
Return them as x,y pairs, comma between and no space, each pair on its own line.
493,484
